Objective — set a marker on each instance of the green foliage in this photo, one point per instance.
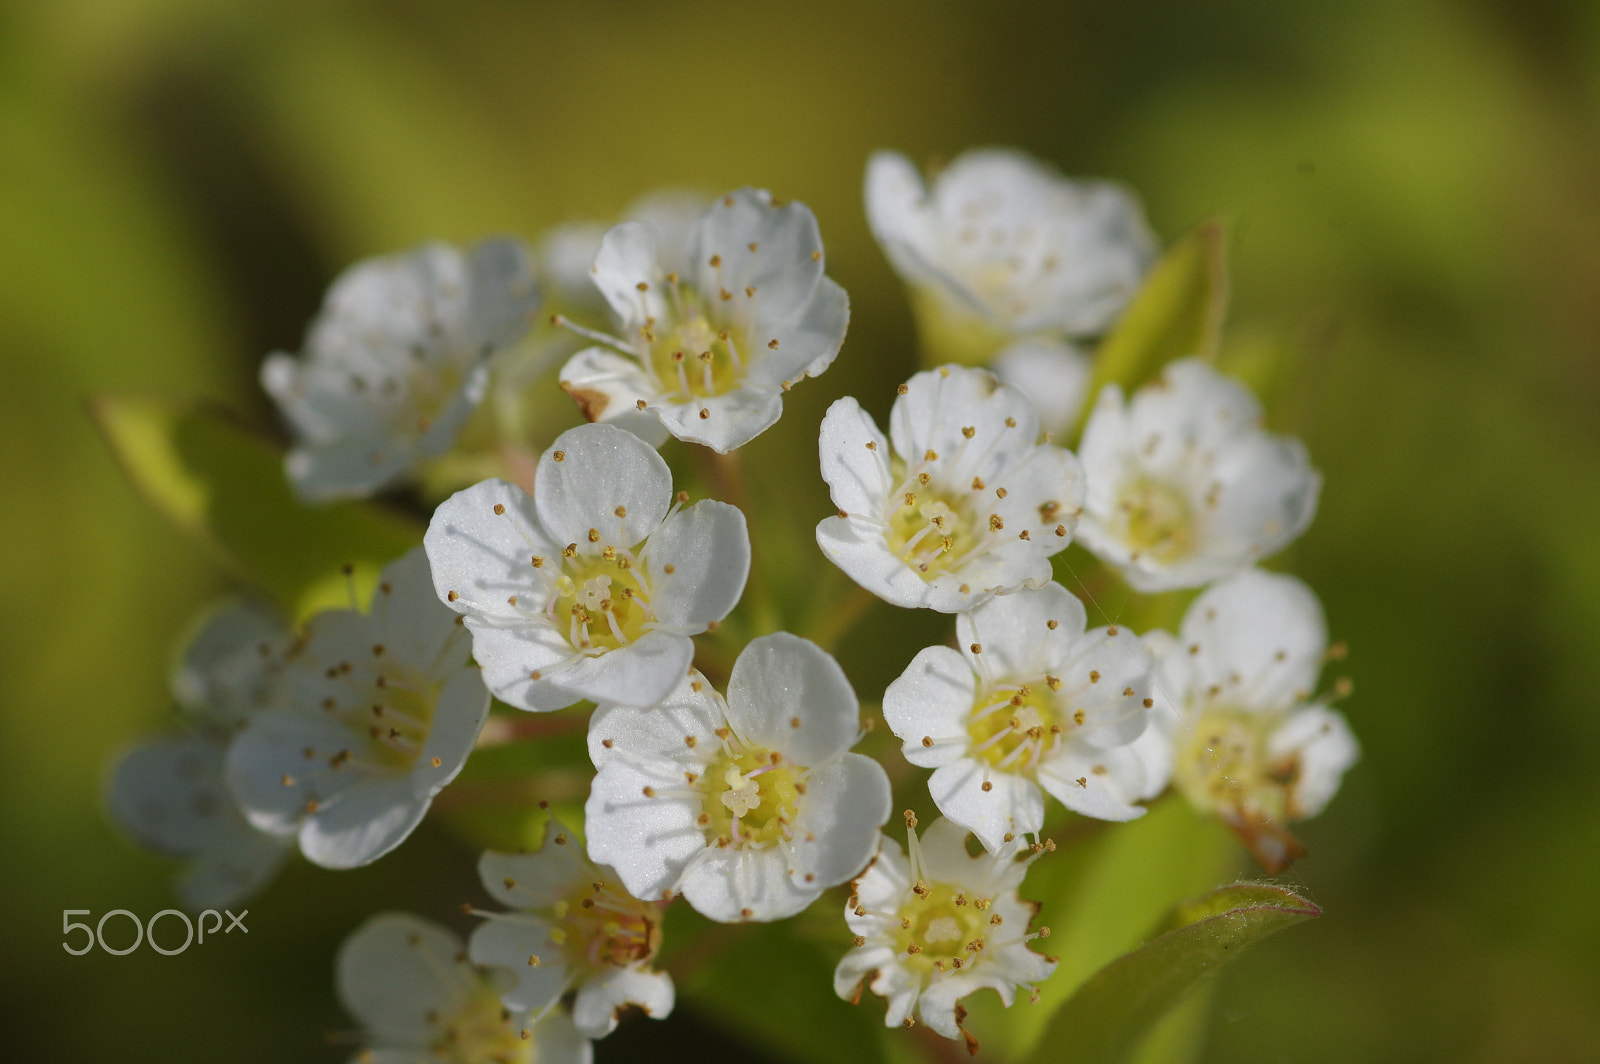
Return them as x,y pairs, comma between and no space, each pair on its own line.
1109,1015
223,486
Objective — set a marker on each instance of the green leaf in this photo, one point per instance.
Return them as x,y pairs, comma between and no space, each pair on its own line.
1105,1020
223,485
1178,312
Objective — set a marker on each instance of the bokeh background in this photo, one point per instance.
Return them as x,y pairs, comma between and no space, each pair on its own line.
1414,193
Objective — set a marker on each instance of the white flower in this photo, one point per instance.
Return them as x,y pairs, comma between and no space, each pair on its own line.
750,806
395,363
1250,738
1004,245
593,587
567,251
1030,701
377,712
710,351
409,984
1053,374
231,664
572,925
1185,487
969,504
169,795
932,929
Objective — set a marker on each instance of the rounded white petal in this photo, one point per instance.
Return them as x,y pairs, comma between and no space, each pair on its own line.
1260,637
759,246
836,831
788,694
1103,784
600,999
269,752
169,795
542,878
408,620
358,825
608,386
735,884
510,657
731,419
1324,748
807,341
395,969
1011,805
855,459
1023,634
708,547
626,272
229,663
933,699
484,557
506,942
607,480
233,868
638,674
458,716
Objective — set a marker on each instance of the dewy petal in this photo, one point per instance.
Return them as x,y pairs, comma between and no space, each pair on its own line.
932,699
1261,637
1112,780
395,969
607,480
1024,634
938,404
808,340
1053,374
1011,804
708,547
625,262
732,419
484,557
599,999
775,250
727,884
639,674
836,833
788,694
855,459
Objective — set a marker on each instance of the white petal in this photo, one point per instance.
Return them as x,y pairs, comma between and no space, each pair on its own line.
485,557
541,879
788,694
557,1041
501,296
708,547
836,831
855,459
1024,633
858,548
759,246
603,470
229,662
626,260
233,868
897,211
938,404
807,342
269,752
638,674
608,386
933,698
510,657
458,716
1261,637
599,999
506,942
394,969
732,419
362,823
1325,747
734,884
1012,804
169,795
1112,781
411,624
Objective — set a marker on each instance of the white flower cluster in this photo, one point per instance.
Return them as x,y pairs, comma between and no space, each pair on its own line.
728,778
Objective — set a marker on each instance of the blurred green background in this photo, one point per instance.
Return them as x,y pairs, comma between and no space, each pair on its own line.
1415,197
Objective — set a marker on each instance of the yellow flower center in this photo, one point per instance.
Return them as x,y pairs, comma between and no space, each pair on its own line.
1159,521
600,600
750,796
931,530
941,929
1013,729
695,358
1224,764
601,923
